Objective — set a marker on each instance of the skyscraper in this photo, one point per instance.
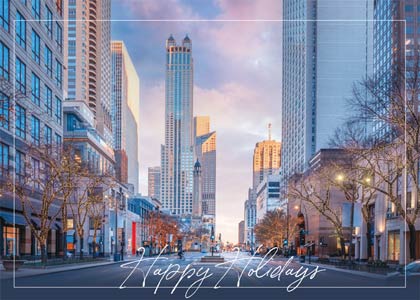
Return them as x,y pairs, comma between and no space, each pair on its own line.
241,232
153,182
177,156
201,125
31,114
125,115
266,160
250,216
88,59
321,62
205,149
396,45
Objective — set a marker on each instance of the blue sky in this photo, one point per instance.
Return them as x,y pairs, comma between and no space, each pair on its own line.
237,82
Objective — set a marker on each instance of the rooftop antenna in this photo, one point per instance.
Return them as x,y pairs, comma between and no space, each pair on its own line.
269,131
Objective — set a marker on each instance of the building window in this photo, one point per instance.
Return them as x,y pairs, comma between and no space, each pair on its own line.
4,110
35,130
20,165
4,14
36,9
49,21
70,223
35,166
11,241
48,135
4,61
36,47
20,30
59,37
20,122
58,140
58,74
4,159
58,110
48,61
48,100
20,76
35,90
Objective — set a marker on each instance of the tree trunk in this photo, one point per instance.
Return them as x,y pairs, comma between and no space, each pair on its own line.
64,238
81,246
44,252
64,244
343,248
368,241
94,244
93,248
412,241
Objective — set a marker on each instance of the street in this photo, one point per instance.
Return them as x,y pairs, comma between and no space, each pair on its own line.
190,278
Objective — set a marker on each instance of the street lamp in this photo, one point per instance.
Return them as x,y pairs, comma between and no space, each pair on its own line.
349,193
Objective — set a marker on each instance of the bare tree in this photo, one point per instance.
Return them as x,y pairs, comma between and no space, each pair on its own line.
96,213
85,195
272,229
393,151
36,185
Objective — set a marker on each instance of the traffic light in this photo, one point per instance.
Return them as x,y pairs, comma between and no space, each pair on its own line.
285,242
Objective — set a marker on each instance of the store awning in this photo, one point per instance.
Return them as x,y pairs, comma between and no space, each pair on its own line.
36,222
11,218
71,232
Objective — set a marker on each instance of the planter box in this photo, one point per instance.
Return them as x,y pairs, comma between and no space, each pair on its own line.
10,264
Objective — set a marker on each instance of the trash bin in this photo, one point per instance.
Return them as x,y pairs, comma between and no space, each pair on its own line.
302,259
117,256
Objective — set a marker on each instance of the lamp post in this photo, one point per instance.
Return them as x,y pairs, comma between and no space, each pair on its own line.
287,227
349,192
116,254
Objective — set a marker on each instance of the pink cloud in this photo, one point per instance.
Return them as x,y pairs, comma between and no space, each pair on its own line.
250,9
153,9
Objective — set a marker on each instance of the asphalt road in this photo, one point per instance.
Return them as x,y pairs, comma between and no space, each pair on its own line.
241,276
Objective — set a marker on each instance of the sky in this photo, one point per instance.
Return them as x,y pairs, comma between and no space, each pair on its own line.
237,82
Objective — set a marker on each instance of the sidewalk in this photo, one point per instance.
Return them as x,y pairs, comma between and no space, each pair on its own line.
337,268
28,271
25,272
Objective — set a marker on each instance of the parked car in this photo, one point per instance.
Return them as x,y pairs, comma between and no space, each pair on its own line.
412,269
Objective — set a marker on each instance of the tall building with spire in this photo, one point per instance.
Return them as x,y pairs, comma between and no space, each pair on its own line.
177,154
266,159
205,149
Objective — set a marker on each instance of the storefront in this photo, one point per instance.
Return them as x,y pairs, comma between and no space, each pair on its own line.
12,233
393,245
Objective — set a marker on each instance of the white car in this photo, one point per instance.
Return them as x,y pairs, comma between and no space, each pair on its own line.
412,269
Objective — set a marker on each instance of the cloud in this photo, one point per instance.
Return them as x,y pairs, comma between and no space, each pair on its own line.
237,79
152,9
250,9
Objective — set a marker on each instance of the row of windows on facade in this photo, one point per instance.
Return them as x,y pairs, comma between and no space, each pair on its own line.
21,123
35,8
20,164
21,72
21,23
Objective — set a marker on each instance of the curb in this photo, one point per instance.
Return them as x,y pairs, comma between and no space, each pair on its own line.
360,273
60,270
